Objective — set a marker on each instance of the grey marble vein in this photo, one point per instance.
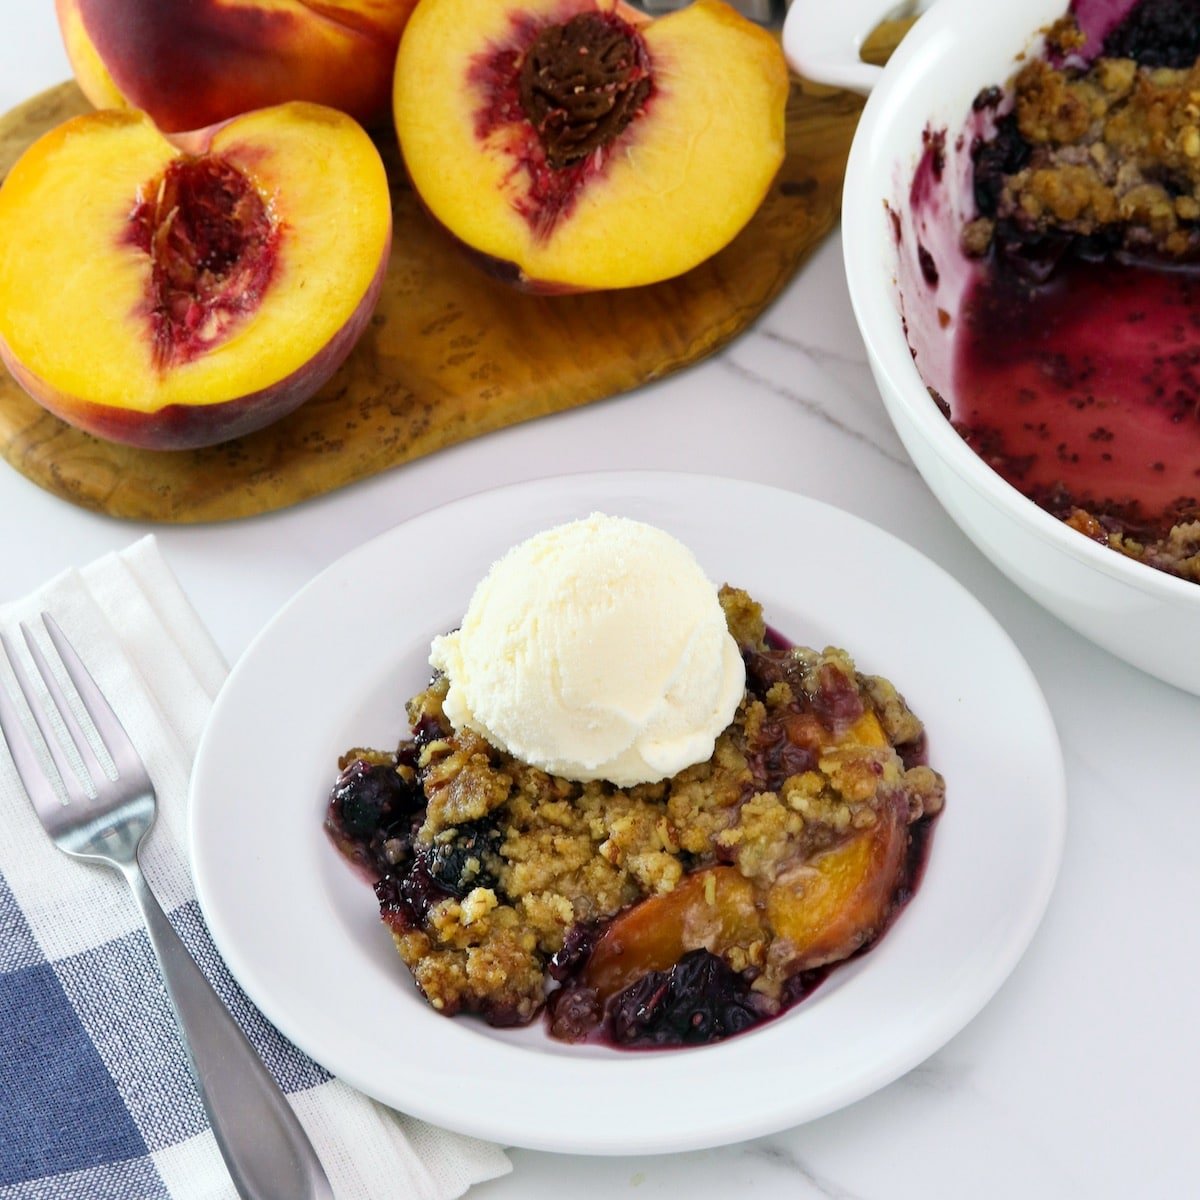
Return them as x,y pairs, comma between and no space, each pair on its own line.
819,354
780,1156
816,409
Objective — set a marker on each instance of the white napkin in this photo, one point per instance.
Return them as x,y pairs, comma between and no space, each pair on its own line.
95,1099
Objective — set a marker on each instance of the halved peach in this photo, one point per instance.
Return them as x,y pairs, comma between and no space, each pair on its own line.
193,63
576,144
174,299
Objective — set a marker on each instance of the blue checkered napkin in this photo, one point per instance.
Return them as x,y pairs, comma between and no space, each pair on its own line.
96,1102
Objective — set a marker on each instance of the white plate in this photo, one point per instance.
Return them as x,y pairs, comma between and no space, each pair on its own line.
333,669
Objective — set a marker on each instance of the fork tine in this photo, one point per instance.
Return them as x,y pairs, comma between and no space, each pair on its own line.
37,783
108,725
91,764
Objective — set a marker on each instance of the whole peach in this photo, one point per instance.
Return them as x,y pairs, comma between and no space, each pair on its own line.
193,63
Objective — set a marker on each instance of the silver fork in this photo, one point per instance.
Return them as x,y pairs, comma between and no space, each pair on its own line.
264,1146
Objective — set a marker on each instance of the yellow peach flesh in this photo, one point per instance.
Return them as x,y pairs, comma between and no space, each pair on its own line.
828,908
866,731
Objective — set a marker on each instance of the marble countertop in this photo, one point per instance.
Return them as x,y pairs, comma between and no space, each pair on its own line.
1079,1078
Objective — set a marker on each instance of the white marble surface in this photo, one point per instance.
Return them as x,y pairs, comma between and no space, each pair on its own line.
1080,1078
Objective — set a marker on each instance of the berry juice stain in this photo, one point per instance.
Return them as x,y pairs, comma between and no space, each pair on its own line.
1084,391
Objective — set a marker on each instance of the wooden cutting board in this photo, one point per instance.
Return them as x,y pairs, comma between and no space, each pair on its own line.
450,354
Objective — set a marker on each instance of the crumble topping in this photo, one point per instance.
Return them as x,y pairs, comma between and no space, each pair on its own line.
1109,153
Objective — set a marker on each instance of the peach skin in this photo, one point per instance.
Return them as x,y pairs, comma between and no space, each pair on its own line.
193,63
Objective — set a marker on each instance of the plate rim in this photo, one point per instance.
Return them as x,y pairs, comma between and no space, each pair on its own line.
915,1049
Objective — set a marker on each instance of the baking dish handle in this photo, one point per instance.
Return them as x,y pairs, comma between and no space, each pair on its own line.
823,41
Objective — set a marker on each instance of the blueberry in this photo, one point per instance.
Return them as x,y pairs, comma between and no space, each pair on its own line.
368,797
1158,33
419,892
468,858
700,999
429,729
764,669
408,898
1004,154
577,946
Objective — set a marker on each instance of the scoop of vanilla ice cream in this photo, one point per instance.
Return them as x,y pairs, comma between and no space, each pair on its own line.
595,650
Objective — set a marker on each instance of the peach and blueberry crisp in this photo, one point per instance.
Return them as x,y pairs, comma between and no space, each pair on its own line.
669,913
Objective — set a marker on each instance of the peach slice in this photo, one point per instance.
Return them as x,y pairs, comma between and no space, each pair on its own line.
838,901
194,63
576,144
713,908
820,911
172,300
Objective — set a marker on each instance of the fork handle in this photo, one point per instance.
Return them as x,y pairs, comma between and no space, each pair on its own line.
264,1146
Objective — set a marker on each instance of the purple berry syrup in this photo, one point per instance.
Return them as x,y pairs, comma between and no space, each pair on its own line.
1085,389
